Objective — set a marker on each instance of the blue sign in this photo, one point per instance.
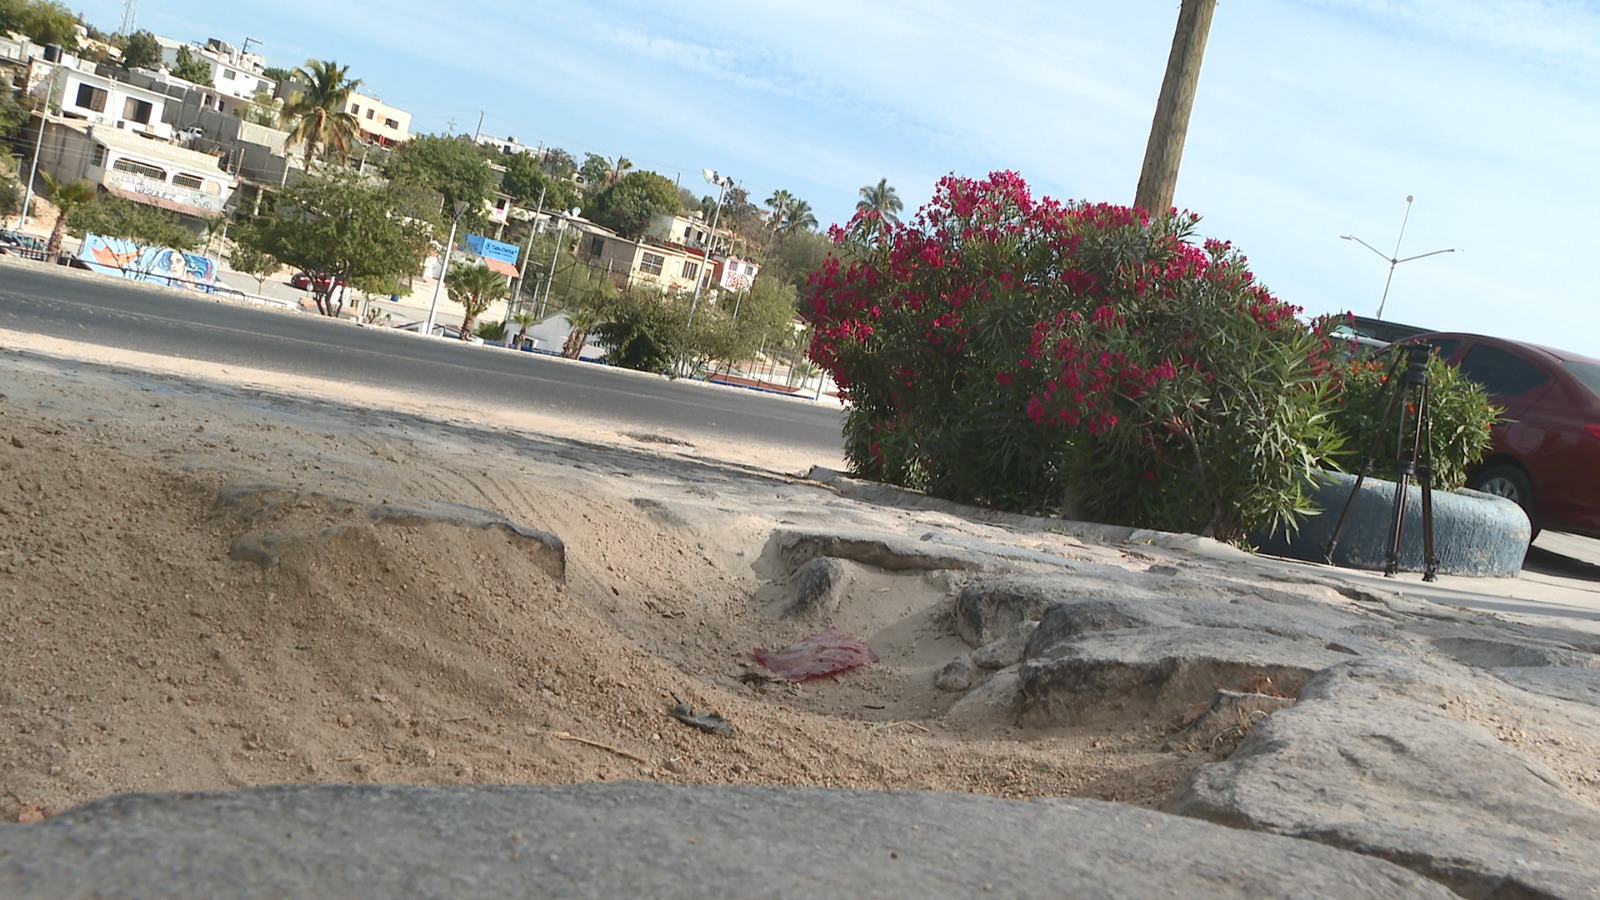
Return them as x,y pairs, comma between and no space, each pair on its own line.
488,249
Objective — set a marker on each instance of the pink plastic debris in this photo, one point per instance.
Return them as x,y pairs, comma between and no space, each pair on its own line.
825,653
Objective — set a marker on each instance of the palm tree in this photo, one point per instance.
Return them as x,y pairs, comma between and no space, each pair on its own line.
801,217
475,287
780,203
66,197
318,112
881,199
614,173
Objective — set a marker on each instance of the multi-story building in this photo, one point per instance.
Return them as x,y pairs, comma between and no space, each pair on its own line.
235,77
82,93
379,122
192,184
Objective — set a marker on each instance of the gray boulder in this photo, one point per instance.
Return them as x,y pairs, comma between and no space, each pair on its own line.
652,840
1372,759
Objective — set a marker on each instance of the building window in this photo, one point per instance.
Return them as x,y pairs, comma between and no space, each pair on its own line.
191,182
354,108
135,110
98,157
597,246
133,167
91,97
690,268
391,123
651,263
228,74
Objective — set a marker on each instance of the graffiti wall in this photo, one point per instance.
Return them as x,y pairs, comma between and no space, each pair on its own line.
162,265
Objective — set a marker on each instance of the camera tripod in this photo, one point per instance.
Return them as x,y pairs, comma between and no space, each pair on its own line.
1406,391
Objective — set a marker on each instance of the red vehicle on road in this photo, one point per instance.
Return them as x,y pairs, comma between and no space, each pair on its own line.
305,281
1546,454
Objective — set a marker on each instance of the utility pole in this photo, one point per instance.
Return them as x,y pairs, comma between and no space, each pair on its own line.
1158,180
38,145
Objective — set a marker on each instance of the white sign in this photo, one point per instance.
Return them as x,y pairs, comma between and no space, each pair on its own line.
161,190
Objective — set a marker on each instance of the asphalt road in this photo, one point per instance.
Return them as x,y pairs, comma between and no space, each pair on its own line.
95,310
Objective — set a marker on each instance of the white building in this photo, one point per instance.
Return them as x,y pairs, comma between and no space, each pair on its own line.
157,173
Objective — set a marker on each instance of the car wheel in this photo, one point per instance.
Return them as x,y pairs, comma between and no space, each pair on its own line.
1511,483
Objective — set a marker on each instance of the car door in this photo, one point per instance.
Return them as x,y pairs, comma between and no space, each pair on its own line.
1516,384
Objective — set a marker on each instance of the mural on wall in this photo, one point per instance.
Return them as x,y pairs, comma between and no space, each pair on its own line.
162,265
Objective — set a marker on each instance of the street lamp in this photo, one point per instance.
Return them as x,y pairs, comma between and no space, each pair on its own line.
1393,260
722,183
449,245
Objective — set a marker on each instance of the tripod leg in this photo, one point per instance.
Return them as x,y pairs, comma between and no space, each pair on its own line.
1425,474
1402,491
1389,408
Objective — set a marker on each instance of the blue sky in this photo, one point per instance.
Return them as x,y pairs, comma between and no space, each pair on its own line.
1314,118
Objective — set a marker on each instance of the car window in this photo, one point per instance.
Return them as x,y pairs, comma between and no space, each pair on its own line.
1445,347
1500,373
1588,373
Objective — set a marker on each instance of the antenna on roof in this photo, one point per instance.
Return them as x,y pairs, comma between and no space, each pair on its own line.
127,17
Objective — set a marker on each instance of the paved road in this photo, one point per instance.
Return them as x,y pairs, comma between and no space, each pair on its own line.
95,310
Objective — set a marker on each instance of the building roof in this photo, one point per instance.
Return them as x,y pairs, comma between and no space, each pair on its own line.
152,148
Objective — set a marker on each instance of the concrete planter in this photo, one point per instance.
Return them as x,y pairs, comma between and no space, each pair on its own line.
1473,533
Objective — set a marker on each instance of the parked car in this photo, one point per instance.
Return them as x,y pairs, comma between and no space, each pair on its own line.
1546,454
305,281
12,240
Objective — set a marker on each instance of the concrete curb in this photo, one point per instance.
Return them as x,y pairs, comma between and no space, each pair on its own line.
1473,533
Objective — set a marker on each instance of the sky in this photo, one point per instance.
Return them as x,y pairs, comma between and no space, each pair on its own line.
1313,118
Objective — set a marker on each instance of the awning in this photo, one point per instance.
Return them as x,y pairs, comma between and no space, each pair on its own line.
501,266
163,202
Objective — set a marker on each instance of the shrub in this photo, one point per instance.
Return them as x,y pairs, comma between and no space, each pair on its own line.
1080,358
1461,415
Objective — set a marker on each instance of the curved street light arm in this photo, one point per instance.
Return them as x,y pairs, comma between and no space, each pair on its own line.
1421,255
1351,237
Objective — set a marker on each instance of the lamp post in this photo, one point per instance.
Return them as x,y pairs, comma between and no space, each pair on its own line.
38,145
444,267
1395,259
555,254
722,183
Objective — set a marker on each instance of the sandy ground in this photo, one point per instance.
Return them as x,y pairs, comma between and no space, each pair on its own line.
139,656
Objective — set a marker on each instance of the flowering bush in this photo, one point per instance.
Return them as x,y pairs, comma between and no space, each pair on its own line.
1461,415
1079,358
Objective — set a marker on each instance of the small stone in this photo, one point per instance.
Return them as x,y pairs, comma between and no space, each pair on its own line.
16,442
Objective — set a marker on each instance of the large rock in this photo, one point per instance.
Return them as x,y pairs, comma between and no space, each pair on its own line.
1387,757
651,840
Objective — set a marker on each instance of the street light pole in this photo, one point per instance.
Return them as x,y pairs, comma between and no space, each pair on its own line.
38,145
444,267
722,184
1394,259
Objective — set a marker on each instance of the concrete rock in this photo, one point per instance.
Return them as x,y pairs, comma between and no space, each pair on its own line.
649,840
1157,673
1008,650
1370,761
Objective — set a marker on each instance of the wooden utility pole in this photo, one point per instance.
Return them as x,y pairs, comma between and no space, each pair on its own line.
1158,181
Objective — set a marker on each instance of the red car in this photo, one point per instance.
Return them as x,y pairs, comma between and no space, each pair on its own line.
304,281
1546,455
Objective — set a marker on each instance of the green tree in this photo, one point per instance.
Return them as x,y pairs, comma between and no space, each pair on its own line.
594,170
247,259
141,50
800,217
526,180
42,21
882,199
10,196
190,69
143,225
340,225
558,163
68,199
475,288
778,208
278,74
454,167
12,114
263,109
317,111
643,330
628,206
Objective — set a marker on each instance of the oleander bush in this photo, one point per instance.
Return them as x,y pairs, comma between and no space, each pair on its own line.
1093,361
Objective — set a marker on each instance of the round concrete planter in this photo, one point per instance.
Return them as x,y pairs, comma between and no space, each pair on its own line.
1473,533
